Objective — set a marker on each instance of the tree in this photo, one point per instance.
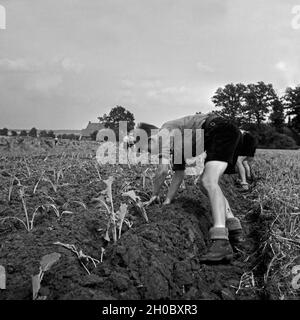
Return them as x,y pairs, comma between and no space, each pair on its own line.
23,133
14,133
231,99
4,132
51,134
292,104
277,116
43,134
71,136
47,134
116,115
32,132
259,99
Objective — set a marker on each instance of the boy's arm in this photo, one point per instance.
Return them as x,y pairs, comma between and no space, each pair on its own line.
158,181
164,136
159,178
175,184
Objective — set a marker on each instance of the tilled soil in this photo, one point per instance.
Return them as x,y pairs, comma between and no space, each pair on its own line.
155,260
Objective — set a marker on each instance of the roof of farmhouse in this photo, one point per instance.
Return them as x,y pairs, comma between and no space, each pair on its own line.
92,127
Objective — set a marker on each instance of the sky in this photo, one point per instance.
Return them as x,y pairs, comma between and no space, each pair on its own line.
66,62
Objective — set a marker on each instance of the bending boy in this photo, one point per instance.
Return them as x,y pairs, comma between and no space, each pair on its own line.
245,156
221,139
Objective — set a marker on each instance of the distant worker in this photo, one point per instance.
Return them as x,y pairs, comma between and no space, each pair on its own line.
129,141
55,141
246,154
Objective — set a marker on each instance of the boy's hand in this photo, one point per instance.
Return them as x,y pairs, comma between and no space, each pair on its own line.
152,200
167,202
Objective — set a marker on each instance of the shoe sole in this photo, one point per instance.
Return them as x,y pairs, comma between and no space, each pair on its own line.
227,258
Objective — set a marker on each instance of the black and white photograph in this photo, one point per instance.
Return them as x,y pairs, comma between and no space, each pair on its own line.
149,153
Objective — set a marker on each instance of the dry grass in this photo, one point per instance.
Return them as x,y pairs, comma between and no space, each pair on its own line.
278,197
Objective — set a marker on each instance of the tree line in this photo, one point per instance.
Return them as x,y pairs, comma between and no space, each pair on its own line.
256,107
33,132
273,119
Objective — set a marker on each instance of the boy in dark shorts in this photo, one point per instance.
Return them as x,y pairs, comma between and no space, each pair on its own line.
246,153
221,139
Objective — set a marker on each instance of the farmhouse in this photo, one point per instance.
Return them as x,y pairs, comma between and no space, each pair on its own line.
91,128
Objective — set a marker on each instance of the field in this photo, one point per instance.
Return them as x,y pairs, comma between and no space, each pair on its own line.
56,199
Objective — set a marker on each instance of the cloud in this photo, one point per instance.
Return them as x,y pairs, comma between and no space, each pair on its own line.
127,83
282,66
28,65
151,83
72,65
18,65
186,95
289,72
45,83
202,67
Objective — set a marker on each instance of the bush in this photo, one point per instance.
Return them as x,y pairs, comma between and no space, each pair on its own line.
23,133
292,133
269,138
4,132
32,133
71,136
282,141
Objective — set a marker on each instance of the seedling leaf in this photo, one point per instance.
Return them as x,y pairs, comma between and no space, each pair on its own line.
137,202
45,264
36,286
131,194
2,278
121,216
48,260
106,237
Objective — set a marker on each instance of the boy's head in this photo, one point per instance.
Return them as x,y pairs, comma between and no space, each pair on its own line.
145,137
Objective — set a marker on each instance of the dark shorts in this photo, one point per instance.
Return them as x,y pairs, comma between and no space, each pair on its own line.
221,139
248,145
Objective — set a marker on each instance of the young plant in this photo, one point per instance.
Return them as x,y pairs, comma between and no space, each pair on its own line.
107,193
96,167
28,223
11,186
83,258
27,168
146,176
56,176
102,254
115,219
80,203
45,264
36,185
136,200
120,216
54,207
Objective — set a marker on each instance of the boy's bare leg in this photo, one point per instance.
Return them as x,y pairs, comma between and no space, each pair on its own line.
213,170
241,168
247,168
219,248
